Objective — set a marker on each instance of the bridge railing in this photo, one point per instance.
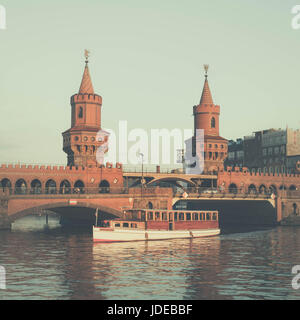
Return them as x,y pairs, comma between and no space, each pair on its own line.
84,190
157,169
205,192
222,192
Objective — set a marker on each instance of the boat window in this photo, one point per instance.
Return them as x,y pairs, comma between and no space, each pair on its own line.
117,225
164,216
175,216
157,215
181,216
188,216
125,225
133,225
207,216
214,217
150,215
195,216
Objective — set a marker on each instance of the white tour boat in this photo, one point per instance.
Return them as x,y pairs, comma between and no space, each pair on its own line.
157,224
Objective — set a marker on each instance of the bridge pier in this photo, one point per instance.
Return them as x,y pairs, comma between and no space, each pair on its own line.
279,209
5,223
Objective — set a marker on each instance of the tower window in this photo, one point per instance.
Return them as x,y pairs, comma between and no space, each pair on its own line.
80,113
213,122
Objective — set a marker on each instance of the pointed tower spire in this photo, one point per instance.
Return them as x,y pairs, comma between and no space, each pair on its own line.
86,82
206,97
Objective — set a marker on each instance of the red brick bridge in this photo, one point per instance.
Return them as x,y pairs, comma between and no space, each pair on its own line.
67,190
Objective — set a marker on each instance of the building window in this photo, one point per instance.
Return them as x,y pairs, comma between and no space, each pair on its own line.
80,113
269,151
213,122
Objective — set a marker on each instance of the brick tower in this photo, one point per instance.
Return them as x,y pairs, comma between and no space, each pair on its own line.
81,142
206,117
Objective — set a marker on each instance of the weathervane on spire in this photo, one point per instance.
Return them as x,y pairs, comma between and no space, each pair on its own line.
87,55
206,69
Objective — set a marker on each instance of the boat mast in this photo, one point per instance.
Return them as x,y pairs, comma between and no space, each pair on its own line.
96,217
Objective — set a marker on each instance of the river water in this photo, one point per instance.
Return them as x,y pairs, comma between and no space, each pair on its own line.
58,263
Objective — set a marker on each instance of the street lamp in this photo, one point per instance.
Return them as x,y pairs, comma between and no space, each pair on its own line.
142,181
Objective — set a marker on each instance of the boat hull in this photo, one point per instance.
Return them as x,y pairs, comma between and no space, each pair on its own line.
109,235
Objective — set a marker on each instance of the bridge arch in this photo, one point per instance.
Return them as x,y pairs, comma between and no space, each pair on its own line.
172,180
63,208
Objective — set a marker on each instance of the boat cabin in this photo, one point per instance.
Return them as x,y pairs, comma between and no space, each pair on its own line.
157,219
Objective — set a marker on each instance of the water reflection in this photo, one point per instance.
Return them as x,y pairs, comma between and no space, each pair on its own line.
65,264
157,269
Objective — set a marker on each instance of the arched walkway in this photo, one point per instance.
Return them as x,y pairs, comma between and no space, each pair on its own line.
36,186
232,188
65,187
252,189
104,186
5,184
50,187
21,187
262,189
273,189
79,187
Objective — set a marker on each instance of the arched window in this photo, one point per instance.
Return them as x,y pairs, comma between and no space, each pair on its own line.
80,112
213,122
294,208
150,205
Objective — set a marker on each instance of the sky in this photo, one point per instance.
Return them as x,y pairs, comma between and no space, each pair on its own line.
146,61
